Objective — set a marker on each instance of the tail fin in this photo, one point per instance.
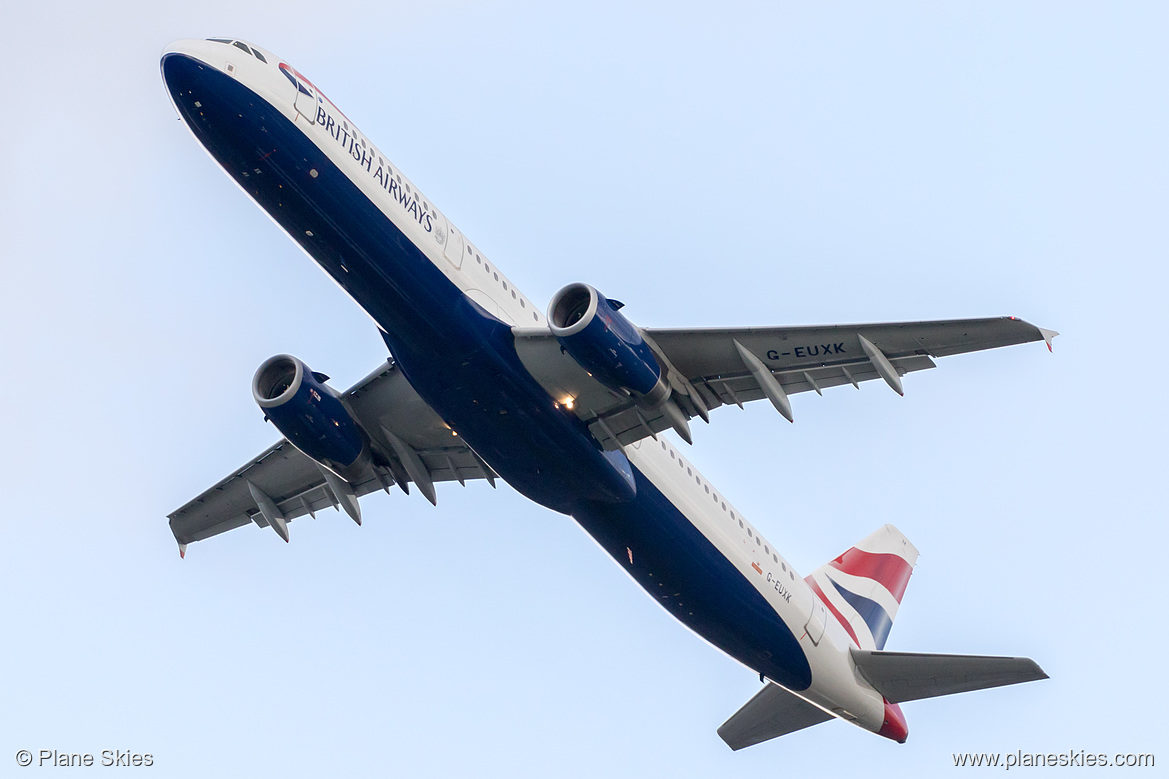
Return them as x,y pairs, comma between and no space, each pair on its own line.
863,587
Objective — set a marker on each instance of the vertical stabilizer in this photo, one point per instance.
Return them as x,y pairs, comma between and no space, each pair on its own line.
862,588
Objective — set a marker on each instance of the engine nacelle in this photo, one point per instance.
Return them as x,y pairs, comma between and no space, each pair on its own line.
591,328
310,415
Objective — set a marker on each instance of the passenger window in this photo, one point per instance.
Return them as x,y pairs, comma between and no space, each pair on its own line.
758,541
749,534
775,558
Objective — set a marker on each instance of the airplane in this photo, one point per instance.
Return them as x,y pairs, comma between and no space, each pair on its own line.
571,407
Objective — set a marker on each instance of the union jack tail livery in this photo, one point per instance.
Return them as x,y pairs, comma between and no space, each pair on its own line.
855,598
862,588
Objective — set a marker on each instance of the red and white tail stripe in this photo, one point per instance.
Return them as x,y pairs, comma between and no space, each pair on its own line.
863,587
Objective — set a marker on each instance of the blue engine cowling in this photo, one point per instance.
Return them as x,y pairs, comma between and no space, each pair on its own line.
310,415
591,328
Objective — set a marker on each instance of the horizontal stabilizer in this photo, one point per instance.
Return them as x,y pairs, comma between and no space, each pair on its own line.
907,676
771,713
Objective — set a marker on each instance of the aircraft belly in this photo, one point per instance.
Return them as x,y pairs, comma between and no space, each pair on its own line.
689,577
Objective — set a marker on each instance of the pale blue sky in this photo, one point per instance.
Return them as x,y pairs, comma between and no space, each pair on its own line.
710,166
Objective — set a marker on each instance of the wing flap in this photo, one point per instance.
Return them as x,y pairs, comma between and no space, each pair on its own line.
629,423
909,676
771,713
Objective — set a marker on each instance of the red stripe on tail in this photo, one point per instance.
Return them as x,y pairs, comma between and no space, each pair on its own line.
889,569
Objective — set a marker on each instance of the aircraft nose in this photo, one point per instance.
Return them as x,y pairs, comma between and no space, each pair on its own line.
187,47
181,56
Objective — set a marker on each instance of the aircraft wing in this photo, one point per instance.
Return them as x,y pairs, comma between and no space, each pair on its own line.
296,485
709,368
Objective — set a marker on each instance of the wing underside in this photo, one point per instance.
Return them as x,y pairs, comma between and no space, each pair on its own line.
710,368
297,485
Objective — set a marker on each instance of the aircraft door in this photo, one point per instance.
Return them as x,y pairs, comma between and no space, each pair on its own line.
817,621
453,247
306,101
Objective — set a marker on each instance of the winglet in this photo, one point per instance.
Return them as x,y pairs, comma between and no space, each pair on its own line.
183,551
1048,335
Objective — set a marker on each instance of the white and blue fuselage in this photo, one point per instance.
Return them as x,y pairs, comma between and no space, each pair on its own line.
447,315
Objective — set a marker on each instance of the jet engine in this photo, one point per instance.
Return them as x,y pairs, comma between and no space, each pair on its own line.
592,330
311,415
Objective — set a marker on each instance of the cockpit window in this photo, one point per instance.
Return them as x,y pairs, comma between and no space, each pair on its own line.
243,47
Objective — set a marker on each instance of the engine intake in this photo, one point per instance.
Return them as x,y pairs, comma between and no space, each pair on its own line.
311,415
591,328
